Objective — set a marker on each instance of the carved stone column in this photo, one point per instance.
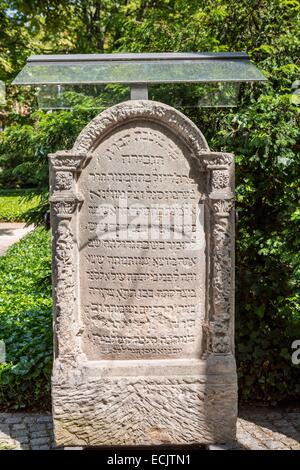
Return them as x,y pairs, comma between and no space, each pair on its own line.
219,324
64,202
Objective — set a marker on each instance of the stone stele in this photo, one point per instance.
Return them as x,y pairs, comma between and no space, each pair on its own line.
143,302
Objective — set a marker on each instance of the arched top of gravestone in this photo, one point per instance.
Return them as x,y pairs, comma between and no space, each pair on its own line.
129,111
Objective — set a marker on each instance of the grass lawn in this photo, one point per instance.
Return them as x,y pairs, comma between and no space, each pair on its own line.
14,203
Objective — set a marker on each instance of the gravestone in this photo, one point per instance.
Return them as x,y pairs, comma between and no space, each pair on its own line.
143,257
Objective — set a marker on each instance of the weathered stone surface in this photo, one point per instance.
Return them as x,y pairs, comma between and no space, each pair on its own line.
142,223
250,434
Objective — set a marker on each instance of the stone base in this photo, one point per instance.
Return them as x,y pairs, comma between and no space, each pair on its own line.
157,402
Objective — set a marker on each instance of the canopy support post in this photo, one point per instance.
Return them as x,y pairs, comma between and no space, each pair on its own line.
138,91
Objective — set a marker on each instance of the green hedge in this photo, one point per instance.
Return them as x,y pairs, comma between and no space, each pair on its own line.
263,133
264,136
26,323
16,203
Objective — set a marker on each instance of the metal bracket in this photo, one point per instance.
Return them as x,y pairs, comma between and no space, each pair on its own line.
138,91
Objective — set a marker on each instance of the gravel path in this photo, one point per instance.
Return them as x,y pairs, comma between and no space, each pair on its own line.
10,233
258,428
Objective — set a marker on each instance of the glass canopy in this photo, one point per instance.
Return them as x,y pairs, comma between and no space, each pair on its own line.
138,69
178,95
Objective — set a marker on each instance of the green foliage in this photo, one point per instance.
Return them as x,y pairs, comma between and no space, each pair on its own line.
26,324
264,137
28,145
263,133
24,146
16,203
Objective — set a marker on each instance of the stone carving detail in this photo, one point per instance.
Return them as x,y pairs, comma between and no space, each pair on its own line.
220,179
132,365
223,206
63,208
64,203
141,409
217,160
219,327
63,180
64,289
67,160
145,151
148,110
219,324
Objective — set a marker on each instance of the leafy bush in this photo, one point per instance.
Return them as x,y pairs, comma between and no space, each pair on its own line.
264,138
24,145
26,323
263,133
16,203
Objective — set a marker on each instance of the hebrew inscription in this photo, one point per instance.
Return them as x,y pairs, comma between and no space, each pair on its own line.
142,247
